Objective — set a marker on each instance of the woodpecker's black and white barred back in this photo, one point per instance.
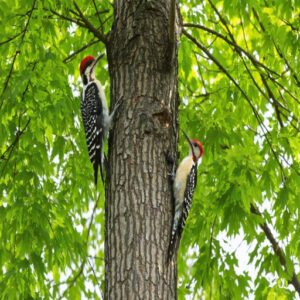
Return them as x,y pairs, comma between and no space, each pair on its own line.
183,187
95,115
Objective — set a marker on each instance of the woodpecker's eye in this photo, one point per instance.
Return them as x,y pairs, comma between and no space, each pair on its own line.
195,144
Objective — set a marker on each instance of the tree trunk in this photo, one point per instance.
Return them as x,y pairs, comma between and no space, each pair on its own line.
139,206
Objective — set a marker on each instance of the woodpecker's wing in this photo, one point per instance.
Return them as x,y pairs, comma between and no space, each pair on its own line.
186,206
188,197
92,115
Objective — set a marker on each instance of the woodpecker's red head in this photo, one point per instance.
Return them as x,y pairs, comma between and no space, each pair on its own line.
87,68
195,147
87,61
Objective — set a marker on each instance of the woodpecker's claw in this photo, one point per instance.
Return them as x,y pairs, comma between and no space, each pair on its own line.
112,115
117,105
172,175
170,160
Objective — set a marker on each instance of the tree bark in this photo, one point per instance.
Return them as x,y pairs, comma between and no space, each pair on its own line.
139,205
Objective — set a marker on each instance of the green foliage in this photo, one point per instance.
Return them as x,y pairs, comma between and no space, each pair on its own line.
247,116
46,180
245,113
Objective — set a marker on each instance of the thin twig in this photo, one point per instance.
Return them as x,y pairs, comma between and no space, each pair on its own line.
280,53
256,114
12,146
94,273
275,102
12,38
71,56
16,53
72,281
98,15
8,77
200,73
240,51
90,27
234,44
66,18
28,20
278,250
221,19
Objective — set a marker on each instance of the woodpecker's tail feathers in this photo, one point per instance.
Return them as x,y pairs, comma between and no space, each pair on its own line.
95,173
98,164
175,240
173,246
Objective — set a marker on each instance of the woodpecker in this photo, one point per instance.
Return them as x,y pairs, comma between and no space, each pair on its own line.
95,115
183,189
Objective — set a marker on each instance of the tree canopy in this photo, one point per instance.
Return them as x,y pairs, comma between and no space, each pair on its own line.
239,94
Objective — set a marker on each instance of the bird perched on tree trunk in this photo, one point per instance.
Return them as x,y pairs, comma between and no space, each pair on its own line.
183,188
95,115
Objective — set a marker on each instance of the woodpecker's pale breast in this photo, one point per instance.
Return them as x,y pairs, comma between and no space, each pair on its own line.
181,177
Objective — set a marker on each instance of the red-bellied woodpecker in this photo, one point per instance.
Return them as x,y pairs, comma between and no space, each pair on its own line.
183,189
95,115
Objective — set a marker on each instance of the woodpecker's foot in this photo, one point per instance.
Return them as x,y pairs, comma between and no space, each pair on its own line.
172,176
169,158
113,114
171,161
117,105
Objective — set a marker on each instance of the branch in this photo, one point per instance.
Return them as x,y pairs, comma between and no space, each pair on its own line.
280,53
256,114
283,88
256,64
19,132
12,38
200,73
277,48
84,23
72,281
97,12
293,28
275,102
241,51
28,20
8,78
68,19
95,276
234,44
277,249
90,27
70,57
12,146
221,19
17,52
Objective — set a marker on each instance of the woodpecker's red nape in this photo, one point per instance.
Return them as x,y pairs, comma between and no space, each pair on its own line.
84,63
199,145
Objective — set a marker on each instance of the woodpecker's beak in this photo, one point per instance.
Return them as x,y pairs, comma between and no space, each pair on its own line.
95,62
190,142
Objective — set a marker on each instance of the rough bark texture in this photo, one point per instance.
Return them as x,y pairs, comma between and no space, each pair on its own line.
138,196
